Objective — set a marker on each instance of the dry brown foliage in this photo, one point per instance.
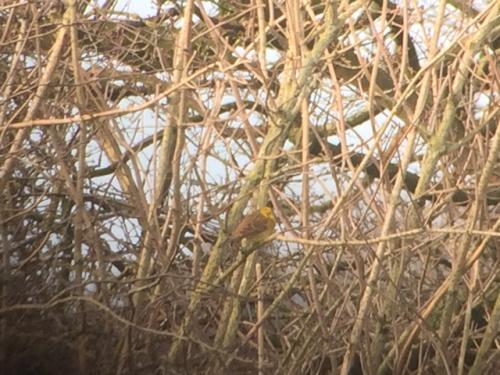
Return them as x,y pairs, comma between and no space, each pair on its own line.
129,149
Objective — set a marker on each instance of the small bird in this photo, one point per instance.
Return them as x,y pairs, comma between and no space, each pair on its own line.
255,227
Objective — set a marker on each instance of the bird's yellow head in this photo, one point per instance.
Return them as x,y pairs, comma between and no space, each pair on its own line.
267,212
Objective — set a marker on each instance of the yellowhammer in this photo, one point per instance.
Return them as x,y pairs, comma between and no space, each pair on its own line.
255,227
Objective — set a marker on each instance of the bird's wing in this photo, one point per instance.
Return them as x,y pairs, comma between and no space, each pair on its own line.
250,225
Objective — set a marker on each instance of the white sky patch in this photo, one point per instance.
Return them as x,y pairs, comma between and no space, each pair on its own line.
143,8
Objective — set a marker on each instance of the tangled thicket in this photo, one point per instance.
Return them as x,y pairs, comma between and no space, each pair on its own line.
130,148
